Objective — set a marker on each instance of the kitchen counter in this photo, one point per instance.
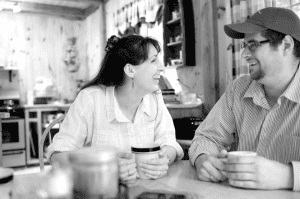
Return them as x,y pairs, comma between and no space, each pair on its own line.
47,106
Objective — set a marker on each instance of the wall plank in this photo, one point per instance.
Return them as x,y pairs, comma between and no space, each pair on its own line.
37,44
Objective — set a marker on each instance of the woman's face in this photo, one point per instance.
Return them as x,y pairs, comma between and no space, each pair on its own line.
147,74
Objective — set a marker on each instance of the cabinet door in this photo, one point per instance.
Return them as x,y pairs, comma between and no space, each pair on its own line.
179,33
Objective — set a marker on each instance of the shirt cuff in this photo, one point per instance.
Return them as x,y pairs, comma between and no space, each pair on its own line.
196,155
179,150
296,171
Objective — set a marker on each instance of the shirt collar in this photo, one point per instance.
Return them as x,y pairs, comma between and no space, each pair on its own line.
110,103
293,91
114,111
255,91
146,105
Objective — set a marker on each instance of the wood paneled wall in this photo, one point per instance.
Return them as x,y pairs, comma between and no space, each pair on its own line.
36,45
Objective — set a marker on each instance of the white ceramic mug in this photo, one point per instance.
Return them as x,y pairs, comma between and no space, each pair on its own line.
143,155
240,153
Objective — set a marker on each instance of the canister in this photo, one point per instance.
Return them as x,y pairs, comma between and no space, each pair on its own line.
95,172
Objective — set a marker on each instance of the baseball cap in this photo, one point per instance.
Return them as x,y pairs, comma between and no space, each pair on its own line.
279,19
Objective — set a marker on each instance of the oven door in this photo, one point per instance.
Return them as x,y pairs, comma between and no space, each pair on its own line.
14,158
13,134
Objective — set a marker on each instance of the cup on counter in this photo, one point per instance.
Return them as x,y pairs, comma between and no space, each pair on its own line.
188,98
143,155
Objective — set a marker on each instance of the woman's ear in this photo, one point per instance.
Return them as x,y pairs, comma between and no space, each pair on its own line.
129,70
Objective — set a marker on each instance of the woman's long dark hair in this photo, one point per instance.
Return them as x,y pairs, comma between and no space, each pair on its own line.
132,49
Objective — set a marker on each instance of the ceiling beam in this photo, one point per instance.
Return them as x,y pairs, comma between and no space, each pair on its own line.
31,6
76,1
51,10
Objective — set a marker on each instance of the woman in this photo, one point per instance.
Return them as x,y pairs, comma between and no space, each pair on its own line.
122,107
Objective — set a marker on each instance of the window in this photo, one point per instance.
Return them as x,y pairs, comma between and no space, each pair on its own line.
291,4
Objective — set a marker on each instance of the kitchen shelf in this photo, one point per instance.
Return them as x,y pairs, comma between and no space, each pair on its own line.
174,21
8,69
174,43
179,32
175,66
190,105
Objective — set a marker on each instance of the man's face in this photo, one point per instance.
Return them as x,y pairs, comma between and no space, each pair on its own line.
263,59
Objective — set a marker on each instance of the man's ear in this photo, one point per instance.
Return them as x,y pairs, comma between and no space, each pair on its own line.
129,70
288,43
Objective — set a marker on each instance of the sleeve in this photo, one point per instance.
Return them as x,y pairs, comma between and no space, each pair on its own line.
296,171
216,132
164,128
75,131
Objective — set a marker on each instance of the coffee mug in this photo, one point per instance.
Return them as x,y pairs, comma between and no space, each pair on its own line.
143,155
240,153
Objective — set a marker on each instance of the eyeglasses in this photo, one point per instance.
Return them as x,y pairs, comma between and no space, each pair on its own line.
252,46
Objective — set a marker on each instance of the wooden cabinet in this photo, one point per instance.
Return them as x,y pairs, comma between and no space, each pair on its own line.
37,118
179,33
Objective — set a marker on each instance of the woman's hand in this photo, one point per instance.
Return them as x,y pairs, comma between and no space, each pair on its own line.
128,171
156,168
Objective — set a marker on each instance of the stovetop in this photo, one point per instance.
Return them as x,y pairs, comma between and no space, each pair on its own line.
13,107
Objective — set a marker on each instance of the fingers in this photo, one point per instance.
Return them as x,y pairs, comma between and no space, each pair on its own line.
128,170
127,166
203,174
160,161
210,168
126,159
214,168
243,184
244,168
222,154
241,176
125,155
154,174
155,168
162,152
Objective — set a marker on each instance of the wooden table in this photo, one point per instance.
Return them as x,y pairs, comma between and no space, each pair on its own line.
181,178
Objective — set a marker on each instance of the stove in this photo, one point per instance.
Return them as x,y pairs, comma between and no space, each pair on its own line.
13,133
13,107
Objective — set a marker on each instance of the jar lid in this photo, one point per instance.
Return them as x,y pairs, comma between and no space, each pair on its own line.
93,155
152,149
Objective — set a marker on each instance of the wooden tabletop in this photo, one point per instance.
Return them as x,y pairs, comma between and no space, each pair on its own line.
181,179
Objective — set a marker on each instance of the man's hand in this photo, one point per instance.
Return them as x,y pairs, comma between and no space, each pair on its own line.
256,172
210,167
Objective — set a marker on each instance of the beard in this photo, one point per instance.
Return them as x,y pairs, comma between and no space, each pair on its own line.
257,75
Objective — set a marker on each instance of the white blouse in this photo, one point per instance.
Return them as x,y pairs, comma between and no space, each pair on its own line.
95,119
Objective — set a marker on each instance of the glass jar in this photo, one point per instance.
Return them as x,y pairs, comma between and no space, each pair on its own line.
95,172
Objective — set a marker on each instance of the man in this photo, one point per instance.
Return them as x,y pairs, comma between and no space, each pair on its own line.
258,112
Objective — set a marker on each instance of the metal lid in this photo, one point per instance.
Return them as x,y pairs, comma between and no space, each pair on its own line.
93,155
